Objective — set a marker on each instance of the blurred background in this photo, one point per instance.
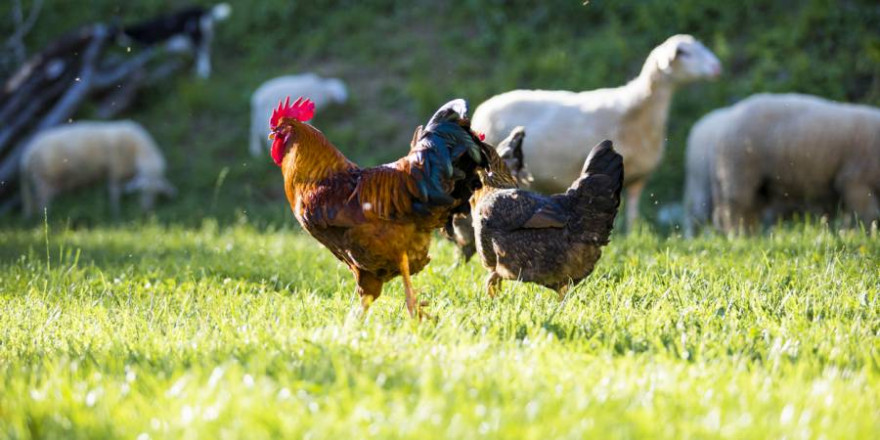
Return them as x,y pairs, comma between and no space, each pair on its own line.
401,60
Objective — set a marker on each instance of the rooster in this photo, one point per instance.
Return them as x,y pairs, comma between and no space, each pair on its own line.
554,241
378,221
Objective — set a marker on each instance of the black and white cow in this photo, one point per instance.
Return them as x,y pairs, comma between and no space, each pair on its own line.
189,29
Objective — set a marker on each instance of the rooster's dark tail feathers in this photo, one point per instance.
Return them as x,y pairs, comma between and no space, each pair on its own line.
445,158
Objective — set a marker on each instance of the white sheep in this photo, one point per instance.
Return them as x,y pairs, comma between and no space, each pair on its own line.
322,91
70,156
771,155
699,167
564,125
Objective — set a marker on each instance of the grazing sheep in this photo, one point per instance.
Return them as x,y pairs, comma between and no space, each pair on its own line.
73,155
699,167
322,91
633,116
771,155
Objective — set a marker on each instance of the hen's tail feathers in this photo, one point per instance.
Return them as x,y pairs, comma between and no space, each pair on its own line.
511,151
512,145
445,158
604,160
599,189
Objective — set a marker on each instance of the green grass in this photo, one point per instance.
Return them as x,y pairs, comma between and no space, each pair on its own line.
155,331
178,327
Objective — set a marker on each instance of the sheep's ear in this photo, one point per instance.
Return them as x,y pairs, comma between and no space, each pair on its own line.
666,57
340,92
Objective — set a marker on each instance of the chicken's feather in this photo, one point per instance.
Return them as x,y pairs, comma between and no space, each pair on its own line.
429,180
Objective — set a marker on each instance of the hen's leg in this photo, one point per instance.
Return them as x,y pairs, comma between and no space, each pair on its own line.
493,284
369,287
562,290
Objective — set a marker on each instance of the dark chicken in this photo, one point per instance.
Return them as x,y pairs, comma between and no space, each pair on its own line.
378,221
554,241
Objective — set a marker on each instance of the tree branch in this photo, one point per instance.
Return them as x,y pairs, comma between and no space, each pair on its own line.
65,106
104,79
22,27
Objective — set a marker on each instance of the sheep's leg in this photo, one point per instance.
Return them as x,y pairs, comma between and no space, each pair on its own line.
633,193
27,198
43,195
738,217
115,191
203,47
697,210
493,284
736,211
860,199
256,147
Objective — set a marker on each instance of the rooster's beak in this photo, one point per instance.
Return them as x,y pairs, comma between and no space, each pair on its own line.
272,135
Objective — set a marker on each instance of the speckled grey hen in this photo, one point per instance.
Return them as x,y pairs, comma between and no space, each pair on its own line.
554,241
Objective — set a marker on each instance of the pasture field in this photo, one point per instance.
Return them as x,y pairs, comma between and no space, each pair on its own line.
236,327
147,331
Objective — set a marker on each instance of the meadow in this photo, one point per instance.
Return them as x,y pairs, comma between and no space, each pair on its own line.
244,332
216,317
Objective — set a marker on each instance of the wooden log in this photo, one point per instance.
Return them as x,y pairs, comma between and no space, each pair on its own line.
64,108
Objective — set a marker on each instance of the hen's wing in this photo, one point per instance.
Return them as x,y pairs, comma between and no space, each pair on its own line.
550,215
591,202
512,209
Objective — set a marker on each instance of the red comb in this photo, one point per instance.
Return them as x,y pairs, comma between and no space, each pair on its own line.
482,136
302,110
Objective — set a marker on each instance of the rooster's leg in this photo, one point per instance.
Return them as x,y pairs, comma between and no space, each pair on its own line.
412,304
369,287
411,300
493,283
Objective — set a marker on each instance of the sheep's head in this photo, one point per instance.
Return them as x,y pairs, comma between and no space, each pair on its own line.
150,187
682,58
285,120
337,89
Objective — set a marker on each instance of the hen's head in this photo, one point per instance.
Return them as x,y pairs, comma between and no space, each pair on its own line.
285,120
